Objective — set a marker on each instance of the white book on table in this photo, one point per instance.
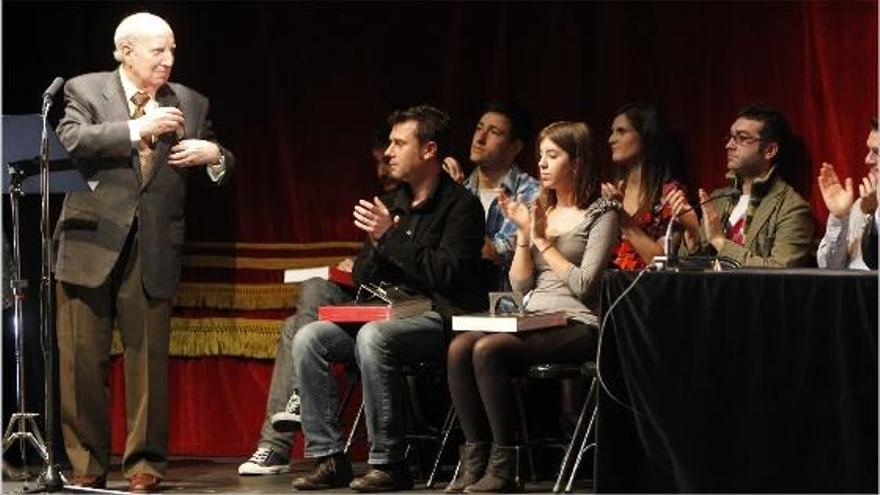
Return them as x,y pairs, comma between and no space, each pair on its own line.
297,275
486,322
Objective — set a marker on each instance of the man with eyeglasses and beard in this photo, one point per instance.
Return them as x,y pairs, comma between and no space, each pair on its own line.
760,220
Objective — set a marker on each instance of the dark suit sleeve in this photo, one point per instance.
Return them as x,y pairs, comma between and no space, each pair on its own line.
438,268
206,132
869,243
80,130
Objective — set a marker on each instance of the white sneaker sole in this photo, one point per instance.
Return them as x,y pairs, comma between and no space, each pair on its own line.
250,469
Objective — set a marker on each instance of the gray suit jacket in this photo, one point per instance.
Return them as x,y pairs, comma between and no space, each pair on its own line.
94,225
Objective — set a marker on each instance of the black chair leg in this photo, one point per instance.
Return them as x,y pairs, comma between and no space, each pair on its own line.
354,427
524,429
585,445
557,487
448,422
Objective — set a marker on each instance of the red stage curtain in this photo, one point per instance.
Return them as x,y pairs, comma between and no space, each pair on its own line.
296,89
216,407
325,75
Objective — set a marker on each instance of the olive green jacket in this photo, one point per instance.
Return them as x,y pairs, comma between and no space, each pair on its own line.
779,226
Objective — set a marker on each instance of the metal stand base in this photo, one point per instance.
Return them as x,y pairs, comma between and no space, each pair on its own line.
65,487
21,433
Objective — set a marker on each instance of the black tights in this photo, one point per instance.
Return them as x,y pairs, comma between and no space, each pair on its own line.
480,366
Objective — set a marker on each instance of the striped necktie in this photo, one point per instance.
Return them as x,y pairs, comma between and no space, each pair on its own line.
145,151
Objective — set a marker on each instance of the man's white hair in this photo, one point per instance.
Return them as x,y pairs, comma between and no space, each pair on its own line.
135,25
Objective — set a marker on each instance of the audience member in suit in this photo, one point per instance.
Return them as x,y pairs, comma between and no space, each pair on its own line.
426,235
563,243
283,403
644,185
869,239
841,246
759,220
136,138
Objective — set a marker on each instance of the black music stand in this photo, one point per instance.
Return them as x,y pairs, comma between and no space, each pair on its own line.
24,150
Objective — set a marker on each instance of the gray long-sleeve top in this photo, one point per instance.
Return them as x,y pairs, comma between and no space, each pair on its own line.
587,247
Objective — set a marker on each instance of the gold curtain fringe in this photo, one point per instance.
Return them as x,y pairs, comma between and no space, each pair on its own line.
304,246
201,337
237,296
242,262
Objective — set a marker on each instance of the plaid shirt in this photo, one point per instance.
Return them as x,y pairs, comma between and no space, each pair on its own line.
500,230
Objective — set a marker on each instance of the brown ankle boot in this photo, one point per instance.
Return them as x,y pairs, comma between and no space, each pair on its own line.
502,472
473,458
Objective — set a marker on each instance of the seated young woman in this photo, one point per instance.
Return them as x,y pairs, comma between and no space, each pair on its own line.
645,188
564,242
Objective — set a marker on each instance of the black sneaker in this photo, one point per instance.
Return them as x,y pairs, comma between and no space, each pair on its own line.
288,420
384,478
333,471
264,461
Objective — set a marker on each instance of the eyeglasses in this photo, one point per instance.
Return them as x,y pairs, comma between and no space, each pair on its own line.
742,139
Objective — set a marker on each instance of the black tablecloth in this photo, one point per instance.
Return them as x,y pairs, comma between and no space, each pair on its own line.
743,381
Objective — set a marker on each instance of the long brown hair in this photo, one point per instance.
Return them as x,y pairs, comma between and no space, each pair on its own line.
655,171
576,139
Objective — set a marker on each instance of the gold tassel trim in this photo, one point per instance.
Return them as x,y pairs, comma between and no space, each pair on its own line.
240,262
237,296
354,246
200,337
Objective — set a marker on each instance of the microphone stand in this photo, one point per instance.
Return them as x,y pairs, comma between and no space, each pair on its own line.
51,475
669,260
21,421
50,479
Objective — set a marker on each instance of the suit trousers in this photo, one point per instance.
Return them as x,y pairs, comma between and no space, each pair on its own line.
85,319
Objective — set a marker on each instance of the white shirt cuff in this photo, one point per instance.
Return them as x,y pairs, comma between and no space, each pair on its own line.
216,171
134,131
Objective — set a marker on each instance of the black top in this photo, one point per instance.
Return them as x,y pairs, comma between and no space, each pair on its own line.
435,248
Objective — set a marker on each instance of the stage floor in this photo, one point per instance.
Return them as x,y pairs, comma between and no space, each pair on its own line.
221,476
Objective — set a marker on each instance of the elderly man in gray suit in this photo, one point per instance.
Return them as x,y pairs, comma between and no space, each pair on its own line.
135,137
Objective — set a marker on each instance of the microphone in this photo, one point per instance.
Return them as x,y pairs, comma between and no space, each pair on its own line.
727,192
670,257
53,88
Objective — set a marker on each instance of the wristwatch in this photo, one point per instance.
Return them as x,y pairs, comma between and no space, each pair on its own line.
221,162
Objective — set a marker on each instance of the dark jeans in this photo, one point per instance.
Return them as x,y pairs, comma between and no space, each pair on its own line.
380,349
314,293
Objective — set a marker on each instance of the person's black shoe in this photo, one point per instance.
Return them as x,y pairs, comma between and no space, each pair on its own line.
384,478
289,419
333,471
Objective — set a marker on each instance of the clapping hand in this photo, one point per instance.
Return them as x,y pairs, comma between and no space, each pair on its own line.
838,197
514,210
453,168
868,192
373,218
711,221
613,192
683,211
538,223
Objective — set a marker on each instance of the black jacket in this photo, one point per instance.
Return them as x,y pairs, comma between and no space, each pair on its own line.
435,248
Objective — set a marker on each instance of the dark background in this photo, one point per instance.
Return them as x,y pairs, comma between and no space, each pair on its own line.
297,88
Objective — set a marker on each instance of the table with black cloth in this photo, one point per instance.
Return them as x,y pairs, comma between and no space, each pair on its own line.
739,381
